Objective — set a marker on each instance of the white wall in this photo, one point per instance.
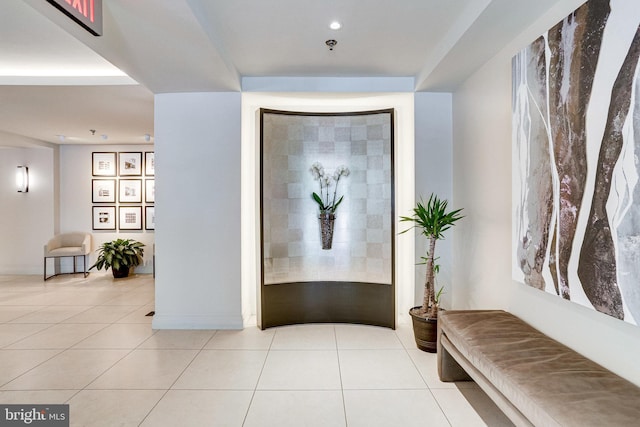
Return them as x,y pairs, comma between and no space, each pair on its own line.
433,174
482,241
76,205
197,145
27,220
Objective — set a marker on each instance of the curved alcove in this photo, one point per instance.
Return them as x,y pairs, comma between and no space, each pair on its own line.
350,278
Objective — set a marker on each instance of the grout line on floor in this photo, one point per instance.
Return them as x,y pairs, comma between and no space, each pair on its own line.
255,389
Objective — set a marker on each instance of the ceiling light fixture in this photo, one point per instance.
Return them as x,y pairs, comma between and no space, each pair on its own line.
61,137
335,25
104,136
147,137
331,43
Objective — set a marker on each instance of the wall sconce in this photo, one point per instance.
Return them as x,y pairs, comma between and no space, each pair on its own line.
22,179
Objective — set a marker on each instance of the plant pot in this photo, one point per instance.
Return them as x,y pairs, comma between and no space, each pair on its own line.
425,331
121,272
326,229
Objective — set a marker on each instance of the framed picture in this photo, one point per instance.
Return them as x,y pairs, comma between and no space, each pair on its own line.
149,218
103,190
130,191
130,164
130,218
149,163
104,217
103,163
149,190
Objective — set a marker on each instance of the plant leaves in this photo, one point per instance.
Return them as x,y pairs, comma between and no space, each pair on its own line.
119,253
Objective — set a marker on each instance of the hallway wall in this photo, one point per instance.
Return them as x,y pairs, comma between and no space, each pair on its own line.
27,220
482,241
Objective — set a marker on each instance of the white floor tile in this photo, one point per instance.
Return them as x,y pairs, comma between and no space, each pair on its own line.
136,297
295,409
178,339
139,315
469,408
102,314
366,337
71,369
13,332
11,312
378,369
36,397
52,314
91,298
119,335
58,336
223,370
145,370
404,332
14,363
301,370
45,298
302,375
9,298
200,408
304,337
107,408
251,338
383,408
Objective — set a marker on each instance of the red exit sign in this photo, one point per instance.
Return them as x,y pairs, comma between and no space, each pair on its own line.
87,13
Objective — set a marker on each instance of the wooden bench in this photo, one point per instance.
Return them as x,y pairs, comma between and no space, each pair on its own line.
532,378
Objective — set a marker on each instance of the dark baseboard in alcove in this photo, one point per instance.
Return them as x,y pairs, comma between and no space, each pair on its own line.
328,302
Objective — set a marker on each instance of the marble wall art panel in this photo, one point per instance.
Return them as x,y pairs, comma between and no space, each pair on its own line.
363,230
576,159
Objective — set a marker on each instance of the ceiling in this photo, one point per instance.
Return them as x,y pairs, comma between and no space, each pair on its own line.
57,79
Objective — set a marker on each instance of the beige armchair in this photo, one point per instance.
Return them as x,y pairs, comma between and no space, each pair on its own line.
68,245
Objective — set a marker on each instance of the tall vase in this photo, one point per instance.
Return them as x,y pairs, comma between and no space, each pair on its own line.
326,229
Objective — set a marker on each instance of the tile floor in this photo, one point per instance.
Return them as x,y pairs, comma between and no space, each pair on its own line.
88,343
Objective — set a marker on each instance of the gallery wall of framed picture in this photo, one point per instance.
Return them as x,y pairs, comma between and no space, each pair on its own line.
123,190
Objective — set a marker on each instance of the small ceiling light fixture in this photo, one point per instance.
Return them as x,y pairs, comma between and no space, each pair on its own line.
147,137
331,43
61,138
22,179
104,136
93,131
335,25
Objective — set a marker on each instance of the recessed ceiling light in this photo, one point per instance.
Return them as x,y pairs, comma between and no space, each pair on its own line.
335,25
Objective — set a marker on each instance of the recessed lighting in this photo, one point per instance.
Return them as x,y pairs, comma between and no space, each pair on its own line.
335,25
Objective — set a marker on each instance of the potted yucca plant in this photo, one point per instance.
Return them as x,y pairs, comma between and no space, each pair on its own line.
432,220
120,255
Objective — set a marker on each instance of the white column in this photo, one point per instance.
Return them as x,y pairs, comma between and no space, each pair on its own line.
197,146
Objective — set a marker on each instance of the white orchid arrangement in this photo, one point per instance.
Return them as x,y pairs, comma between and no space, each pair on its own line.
325,203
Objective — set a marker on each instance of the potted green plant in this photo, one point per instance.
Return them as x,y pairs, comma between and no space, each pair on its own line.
432,220
120,255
